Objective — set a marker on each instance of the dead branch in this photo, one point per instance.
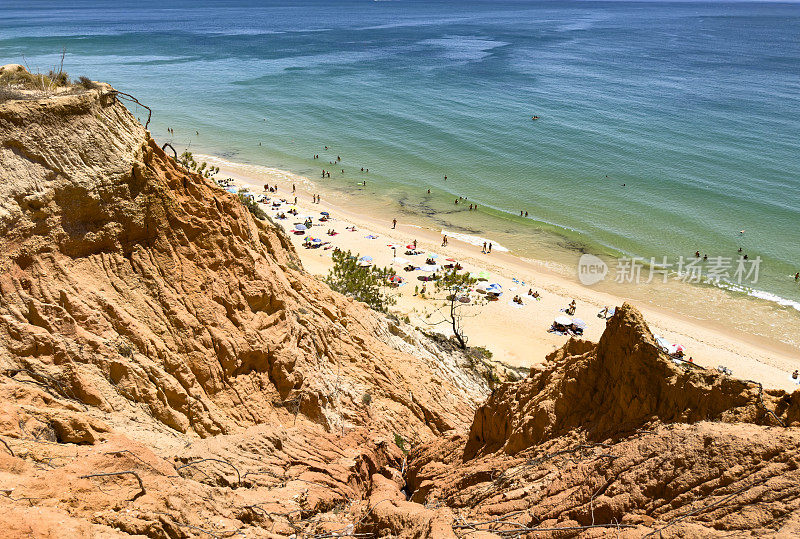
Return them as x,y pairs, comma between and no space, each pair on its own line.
46,380
129,97
135,456
8,447
167,144
223,461
763,405
142,492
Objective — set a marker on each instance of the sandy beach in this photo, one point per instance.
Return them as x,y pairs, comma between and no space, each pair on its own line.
516,335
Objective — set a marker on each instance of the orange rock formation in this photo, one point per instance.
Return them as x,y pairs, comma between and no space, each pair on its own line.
167,369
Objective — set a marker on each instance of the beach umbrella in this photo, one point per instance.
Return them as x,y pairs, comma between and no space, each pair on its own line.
300,227
316,240
410,246
232,189
481,287
433,255
365,259
430,268
578,323
463,299
563,320
400,260
324,213
450,259
395,279
481,276
494,288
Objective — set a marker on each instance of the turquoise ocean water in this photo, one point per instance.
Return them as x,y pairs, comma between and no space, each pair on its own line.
695,107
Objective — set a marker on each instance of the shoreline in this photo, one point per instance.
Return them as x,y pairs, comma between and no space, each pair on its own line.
515,335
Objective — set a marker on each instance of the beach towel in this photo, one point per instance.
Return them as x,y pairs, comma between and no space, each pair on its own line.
371,237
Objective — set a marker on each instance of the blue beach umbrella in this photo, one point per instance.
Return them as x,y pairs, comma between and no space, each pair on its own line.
300,227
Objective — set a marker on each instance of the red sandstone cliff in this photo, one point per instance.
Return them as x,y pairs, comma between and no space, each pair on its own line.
143,310
167,369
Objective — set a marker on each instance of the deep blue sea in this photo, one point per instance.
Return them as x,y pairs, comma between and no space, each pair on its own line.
694,107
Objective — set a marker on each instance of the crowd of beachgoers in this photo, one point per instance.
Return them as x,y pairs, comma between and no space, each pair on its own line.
518,312
318,229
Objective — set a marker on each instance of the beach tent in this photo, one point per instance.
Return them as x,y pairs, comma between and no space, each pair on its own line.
430,268
400,260
300,227
481,287
365,259
662,342
563,320
395,279
579,324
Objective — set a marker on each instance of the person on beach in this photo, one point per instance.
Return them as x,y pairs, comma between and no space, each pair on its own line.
394,224
490,247
444,241
295,200
429,191
484,248
293,189
456,202
795,374
526,214
571,309
414,243
323,172
445,176
797,276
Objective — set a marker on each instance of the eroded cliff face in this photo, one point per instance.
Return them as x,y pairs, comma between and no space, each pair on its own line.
167,369
142,309
615,437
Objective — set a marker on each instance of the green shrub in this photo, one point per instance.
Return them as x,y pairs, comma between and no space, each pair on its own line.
366,284
250,203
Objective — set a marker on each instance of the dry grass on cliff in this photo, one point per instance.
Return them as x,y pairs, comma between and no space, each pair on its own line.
22,84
